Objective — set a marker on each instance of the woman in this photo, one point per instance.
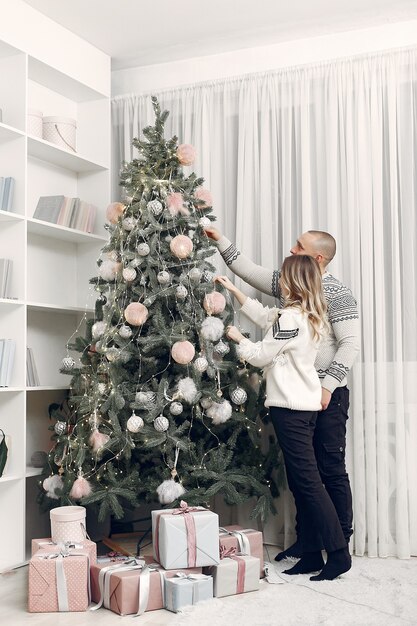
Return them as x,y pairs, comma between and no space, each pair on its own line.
293,395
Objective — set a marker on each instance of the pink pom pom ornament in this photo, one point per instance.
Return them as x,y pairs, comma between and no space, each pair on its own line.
214,303
136,314
181,246
175,203
204,195
183,352
98,440
114,211
186,154
80,489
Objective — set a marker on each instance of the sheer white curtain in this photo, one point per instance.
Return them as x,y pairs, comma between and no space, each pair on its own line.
330,147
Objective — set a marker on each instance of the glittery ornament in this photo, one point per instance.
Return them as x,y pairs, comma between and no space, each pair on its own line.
60,428
161,424
68,363
164,277
114,211
214,303
136,314
238,396
183,352
129,274
112,354
129,223
221,348
208,276
181,246
155,207
201,364
176,408
143,249
101,388
181,292
98,329
135,423
125,331
204,222
194,275
206,402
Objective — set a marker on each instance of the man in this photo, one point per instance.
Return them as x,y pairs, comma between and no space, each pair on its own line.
335,358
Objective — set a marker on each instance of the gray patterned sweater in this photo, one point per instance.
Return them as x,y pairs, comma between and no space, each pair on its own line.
339,349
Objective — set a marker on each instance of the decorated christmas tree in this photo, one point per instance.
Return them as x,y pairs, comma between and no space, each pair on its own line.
160,406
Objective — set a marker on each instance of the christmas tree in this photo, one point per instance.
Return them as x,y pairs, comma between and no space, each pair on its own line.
160,406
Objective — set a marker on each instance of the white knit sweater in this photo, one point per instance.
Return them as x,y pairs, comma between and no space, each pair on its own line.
286,354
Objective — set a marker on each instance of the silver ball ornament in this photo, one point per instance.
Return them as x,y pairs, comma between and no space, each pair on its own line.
129,274
181,292
206,402
112,354
161,424
208,276
113,255
135,423
194,275
201,364
98,329
164,277
129,223
143,249
60,428
155,207
125,331
238,396
221,348
68,363
176,408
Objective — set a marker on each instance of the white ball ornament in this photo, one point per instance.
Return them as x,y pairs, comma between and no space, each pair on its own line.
204,222
135,423
125,331
143,249
129,223
68,363
169,490
136,314
212,328
221,348
181,246
129,274
201,364
183,352
194,275
238,396
98,329
176,408
164,277
60,428
161,424
181,292
155,207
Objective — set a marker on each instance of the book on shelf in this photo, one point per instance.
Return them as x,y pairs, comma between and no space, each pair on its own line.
63,211
7,352
5,277
6,193
32,378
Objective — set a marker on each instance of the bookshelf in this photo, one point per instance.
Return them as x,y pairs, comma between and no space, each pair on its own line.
49,292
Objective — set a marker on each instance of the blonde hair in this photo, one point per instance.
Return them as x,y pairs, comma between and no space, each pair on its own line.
301,277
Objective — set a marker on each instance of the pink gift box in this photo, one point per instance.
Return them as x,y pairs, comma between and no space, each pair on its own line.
125,586
250,543
50,546
59,583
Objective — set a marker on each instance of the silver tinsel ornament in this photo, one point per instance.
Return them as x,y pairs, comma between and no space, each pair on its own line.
125,331
164,277
204,222
135,423
201,364
68,363
221,348
176,408
129,223
155,207
208,276
60,428
129,274
181,292
161,424
143,249
238,396
194,275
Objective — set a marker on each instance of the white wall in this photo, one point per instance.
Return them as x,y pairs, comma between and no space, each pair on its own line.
144,79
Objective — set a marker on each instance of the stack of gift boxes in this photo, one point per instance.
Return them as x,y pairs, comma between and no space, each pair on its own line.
193,560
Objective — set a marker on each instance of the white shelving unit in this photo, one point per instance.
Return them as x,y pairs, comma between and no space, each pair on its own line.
50,292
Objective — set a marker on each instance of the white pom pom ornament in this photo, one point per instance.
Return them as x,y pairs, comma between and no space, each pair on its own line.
169,490
219,412
187,390
51,485
109,270
212,328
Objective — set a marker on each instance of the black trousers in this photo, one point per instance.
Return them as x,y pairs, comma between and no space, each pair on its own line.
319,524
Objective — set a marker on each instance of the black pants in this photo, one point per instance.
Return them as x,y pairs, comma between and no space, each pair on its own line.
329,442
319,524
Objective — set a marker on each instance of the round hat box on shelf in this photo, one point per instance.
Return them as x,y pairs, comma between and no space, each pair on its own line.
34,123
68,524
60,131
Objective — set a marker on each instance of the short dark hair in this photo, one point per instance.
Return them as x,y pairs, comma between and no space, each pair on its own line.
324,243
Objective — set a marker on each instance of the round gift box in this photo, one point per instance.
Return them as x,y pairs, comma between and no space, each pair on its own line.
60,131
34,123
68,524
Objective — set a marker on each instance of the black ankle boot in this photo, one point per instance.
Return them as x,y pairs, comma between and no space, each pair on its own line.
309,562
338,562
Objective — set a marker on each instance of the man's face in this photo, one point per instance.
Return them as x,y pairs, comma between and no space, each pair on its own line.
305,245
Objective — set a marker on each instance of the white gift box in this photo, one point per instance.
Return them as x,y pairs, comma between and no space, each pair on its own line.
175,546
187,590
225,575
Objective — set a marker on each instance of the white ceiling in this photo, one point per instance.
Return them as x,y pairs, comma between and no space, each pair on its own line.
145,32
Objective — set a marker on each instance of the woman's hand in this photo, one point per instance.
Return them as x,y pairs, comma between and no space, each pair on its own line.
212,233
234,334
226,283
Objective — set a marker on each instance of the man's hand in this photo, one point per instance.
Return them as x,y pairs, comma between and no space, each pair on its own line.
326,396
234,334
212,233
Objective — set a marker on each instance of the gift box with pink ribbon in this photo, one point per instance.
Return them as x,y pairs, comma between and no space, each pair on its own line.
185,537
245,540
131,587
59,581
236,573
50,546
185,590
